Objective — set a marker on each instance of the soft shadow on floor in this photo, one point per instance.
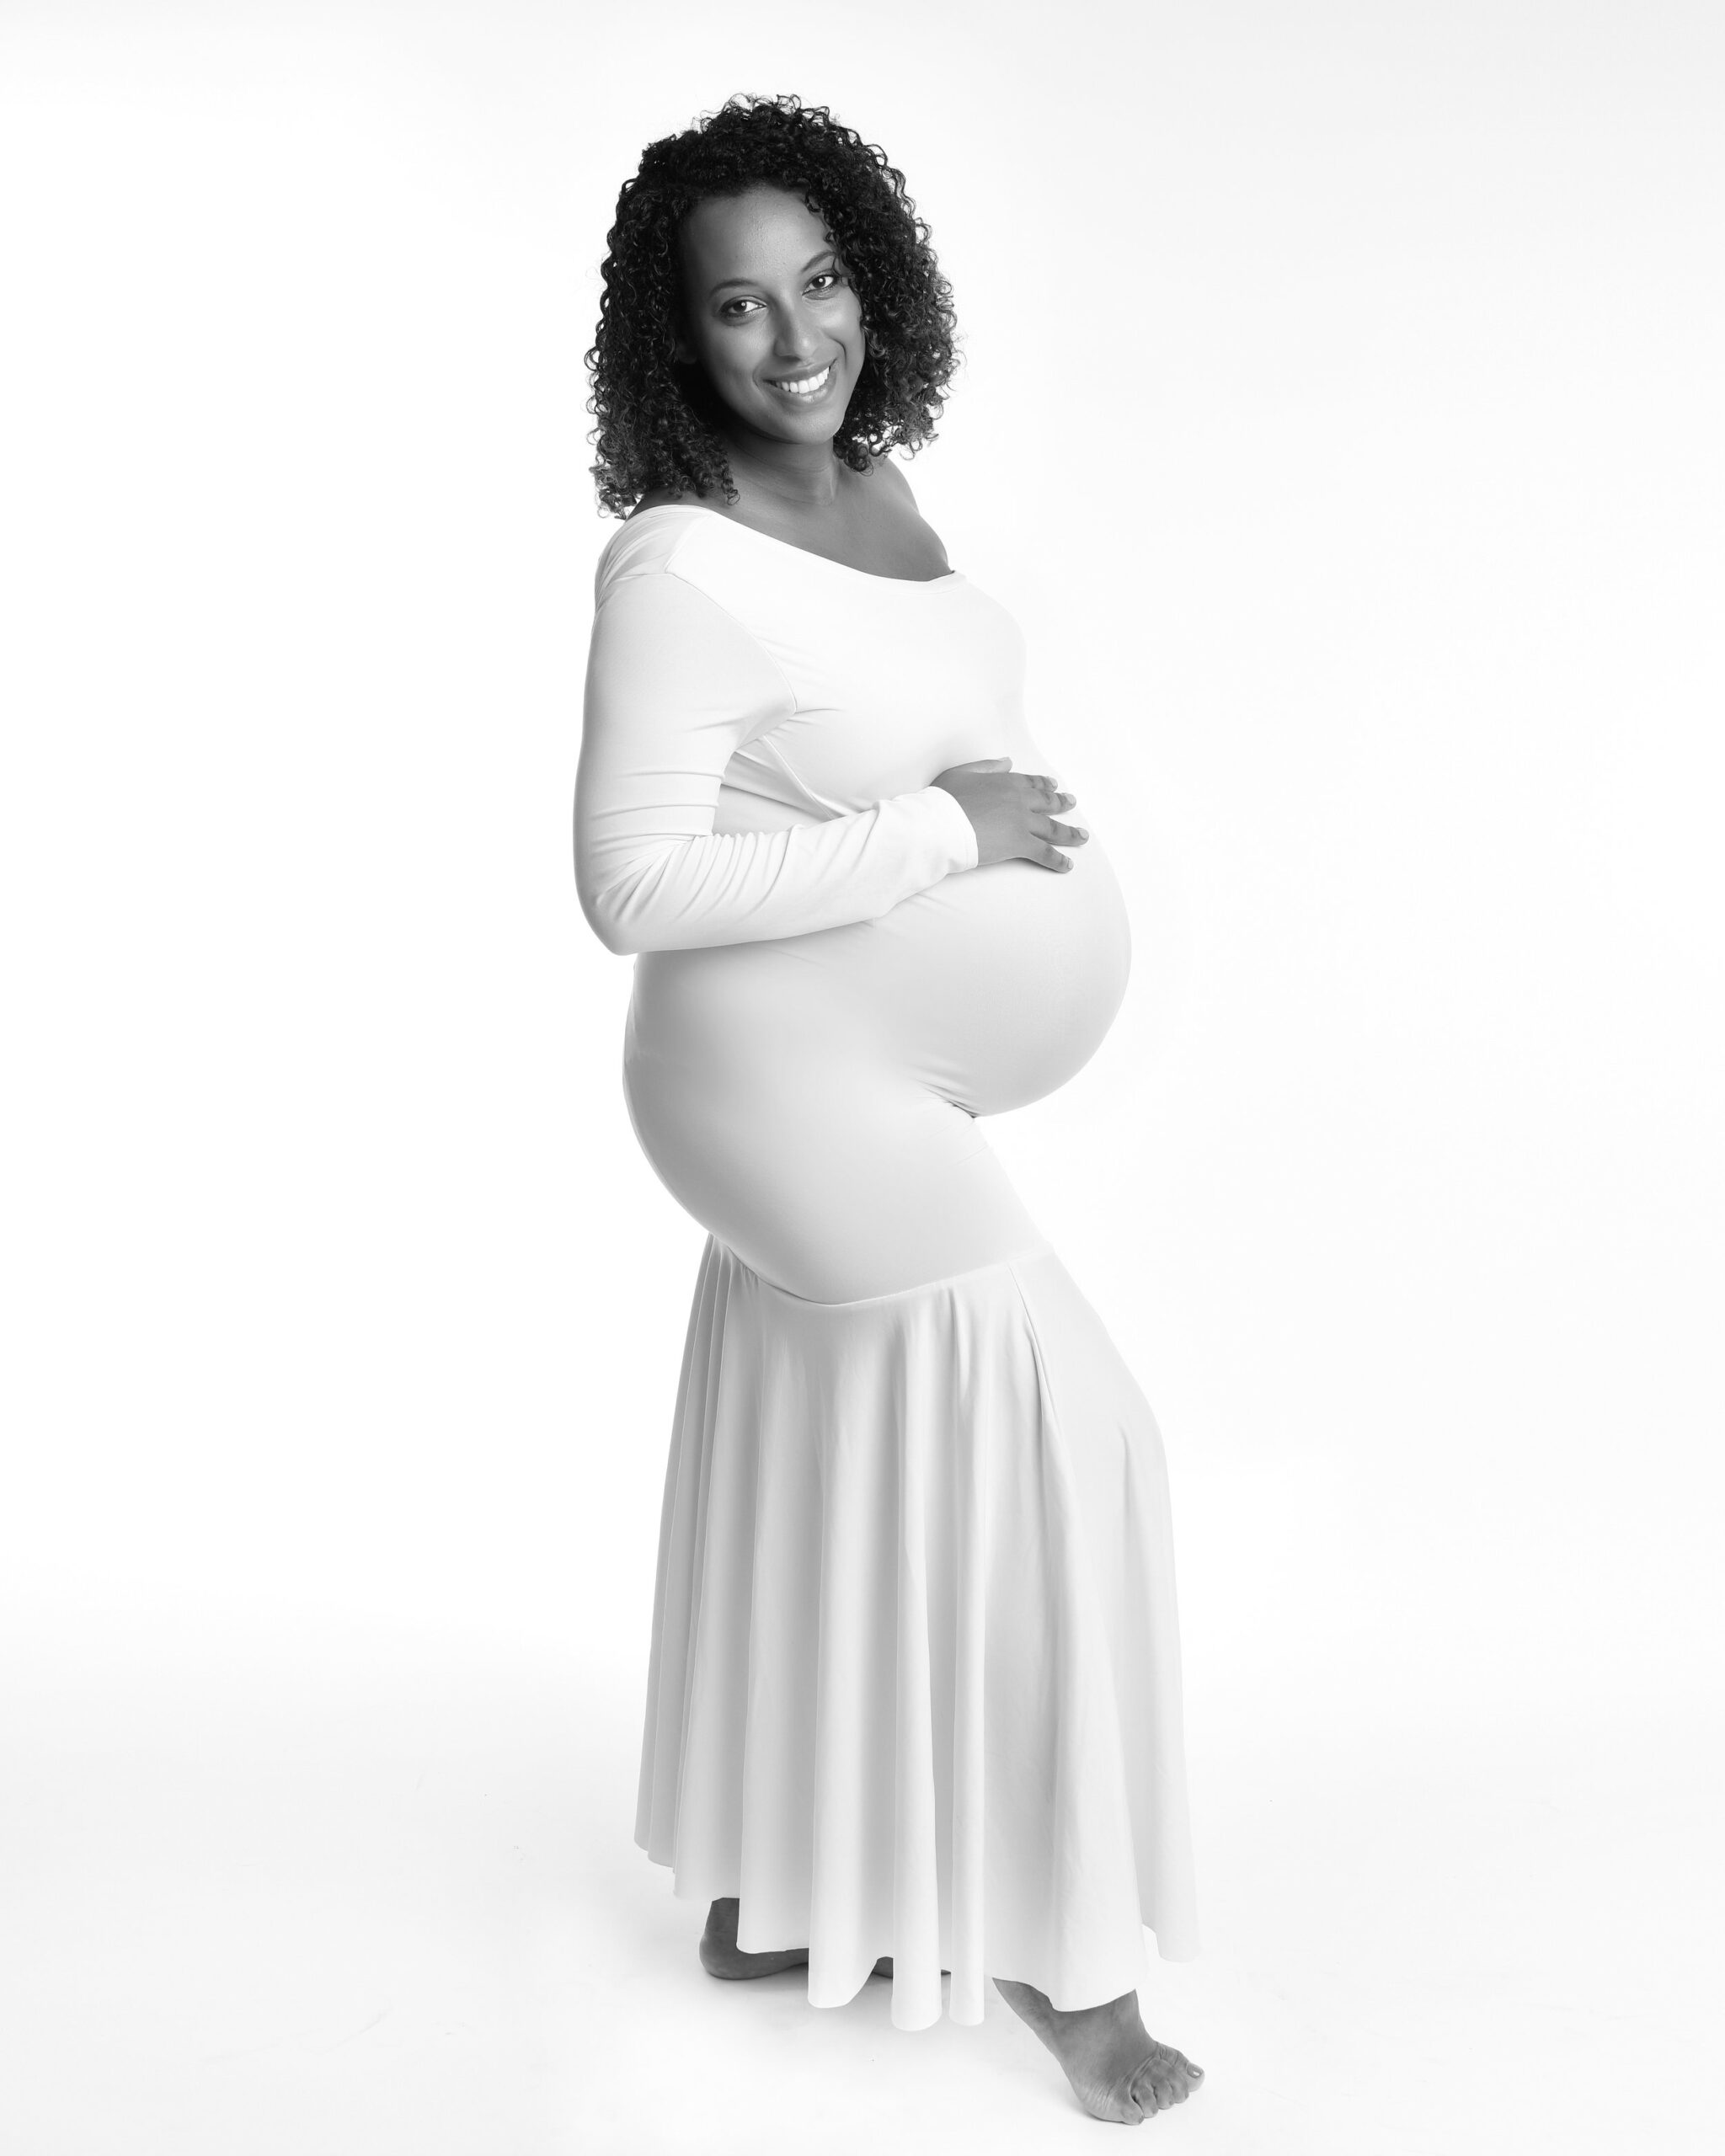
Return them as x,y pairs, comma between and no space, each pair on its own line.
383,1899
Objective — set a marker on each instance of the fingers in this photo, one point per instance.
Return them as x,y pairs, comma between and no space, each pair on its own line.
1048,836
1044,791
1038,785
1045,827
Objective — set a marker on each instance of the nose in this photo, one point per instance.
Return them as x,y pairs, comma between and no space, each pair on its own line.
797,337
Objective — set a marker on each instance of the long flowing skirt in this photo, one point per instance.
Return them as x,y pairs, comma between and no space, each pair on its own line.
915,1679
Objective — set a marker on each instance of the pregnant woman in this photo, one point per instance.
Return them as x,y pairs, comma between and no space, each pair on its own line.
914,1694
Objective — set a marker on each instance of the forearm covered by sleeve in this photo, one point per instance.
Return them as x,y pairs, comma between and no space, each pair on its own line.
675,686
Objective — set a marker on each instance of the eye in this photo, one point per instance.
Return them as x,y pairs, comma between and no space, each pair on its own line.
725,312
827,277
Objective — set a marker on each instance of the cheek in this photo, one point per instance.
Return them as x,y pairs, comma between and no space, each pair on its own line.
727,354
749,352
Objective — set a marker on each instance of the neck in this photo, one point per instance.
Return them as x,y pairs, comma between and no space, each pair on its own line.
789,475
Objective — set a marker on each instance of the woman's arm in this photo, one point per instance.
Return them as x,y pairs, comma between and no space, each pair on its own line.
675,686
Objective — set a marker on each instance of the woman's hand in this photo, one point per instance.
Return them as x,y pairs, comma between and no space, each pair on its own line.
1010,811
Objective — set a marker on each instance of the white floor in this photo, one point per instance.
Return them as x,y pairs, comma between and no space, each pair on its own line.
380,1898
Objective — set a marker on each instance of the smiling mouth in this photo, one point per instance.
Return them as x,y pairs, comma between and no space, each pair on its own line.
809,385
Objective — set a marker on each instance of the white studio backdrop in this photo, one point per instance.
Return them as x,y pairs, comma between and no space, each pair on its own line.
1340,415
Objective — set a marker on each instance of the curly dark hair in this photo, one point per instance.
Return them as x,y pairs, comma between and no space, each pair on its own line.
656,419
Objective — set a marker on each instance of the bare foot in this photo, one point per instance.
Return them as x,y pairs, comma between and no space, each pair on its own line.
721,1956
1117,2070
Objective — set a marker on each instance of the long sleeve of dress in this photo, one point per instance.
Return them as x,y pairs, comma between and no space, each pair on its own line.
674,685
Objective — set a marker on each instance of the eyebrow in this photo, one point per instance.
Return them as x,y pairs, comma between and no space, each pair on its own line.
725,283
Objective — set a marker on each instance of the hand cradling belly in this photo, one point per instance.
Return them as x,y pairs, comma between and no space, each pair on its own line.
998,984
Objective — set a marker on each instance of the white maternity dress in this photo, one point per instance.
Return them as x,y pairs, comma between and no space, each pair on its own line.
914,1682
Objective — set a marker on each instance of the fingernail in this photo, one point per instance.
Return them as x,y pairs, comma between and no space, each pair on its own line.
1081,830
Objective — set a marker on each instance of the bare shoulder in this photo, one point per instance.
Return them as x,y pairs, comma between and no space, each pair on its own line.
897,485
892,537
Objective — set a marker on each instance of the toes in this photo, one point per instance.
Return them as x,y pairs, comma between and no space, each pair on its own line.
1163,2081
1147,2093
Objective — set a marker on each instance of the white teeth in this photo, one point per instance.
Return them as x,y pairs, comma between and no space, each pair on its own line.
806,388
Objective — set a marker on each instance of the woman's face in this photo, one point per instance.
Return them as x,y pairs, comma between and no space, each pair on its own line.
768,308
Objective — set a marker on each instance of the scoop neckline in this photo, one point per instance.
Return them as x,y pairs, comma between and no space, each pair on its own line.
694,509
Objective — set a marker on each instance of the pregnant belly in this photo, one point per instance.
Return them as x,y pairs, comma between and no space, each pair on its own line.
782,1086
995,985
990,990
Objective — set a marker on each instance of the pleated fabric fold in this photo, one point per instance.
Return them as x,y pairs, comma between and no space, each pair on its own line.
915,1679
